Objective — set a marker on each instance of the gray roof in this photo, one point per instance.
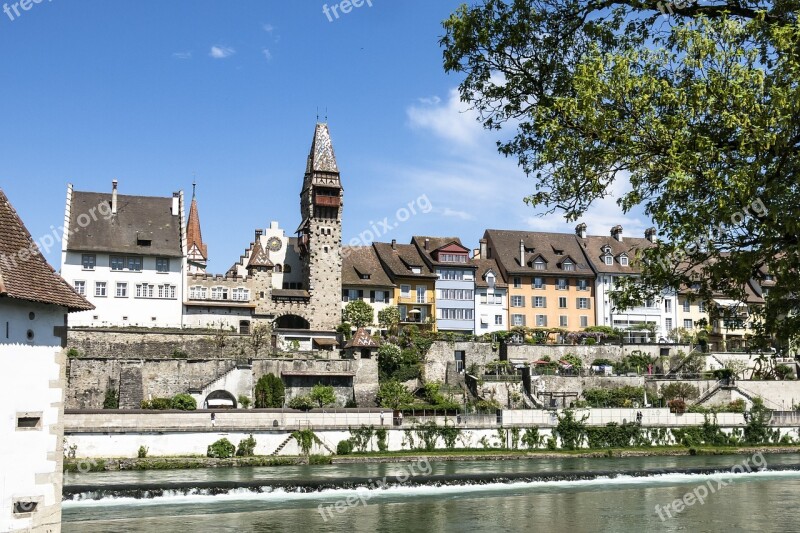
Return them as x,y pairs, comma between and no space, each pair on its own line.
554,248
138,218
398,259
321,158
434,244
484,266
593,248
363,260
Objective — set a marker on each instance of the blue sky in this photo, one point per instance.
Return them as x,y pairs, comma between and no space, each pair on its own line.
154,93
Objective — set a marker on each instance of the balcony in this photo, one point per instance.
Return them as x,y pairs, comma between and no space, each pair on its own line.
327,201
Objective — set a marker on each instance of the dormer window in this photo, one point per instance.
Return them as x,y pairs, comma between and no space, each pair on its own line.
364,276
453,258
568,266
609,260
539,264
623,260
606,250
416,270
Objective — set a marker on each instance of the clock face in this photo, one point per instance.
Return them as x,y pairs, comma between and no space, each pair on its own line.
274,244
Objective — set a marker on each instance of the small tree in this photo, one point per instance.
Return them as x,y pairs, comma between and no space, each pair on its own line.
111,400
679,390
323,395
393,395
359,313
389,318
260,336
270,392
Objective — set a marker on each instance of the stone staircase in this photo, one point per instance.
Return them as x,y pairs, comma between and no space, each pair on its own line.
131,390
283,445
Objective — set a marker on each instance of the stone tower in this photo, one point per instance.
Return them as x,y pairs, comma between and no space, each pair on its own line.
320,232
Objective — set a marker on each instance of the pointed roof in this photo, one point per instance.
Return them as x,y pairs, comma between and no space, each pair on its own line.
259,256
194,237
24,272
362,339
321,158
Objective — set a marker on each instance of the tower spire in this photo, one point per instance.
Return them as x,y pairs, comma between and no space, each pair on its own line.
198,251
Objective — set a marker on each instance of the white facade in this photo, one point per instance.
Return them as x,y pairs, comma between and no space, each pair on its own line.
378,297
31,416
662,312
288,270
126,290
491,307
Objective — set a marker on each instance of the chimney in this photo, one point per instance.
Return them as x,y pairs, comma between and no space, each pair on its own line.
650,235
521,253
259,233
114,197
616,232
176,197
427,242
482,244
580,230
394,244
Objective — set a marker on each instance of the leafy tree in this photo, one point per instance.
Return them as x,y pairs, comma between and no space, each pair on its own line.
270,392
247,447
393,395
111,400
699,110
359,313
389,318
680,391
222,449
303,403
260,336
184,402
306,439
323,395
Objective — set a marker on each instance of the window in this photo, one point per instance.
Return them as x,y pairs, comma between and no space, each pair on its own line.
100,289
219,293
563,284
493,299
80,287
538,283
240,294
583,285
539,301
584,321
517,283
456,314
403,312
117,262
668,324
517,301
687,305
135,264
198,293
351,294
453,258
765,291
562,321
457,275
541,321
609,260
568,266
88,261
687,323
287,269
405,291
539,264
456,294
623,260
143,290
562,302
162,264
769,277
416,270
668,306
583,303
421,294
122,290
498,320
701,307
517,320
29,421
166,291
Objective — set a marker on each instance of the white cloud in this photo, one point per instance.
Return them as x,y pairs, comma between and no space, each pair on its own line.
267,54
221,52
182,55
452,120
463,215
269,28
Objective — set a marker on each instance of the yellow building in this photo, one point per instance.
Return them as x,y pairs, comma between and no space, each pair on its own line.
415,283
550,284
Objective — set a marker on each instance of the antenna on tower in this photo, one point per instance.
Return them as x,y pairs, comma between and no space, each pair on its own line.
194,184
317,113
326,115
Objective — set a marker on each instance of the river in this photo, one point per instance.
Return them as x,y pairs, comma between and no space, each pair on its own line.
564,494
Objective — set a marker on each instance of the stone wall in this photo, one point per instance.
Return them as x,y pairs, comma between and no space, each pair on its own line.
587,354
100,343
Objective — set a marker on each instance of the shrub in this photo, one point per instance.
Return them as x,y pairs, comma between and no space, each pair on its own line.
178,354
142,453
359,313
345,447
73,353
393,394
247,447
302,403
677,406
305,440
222,449
157,404
111,400
270,392
244,401
184,402
323,395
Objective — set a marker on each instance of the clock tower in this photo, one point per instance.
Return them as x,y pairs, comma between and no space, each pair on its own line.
320,232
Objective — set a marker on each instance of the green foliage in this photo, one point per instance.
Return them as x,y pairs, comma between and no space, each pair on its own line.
323,395
636,362
389,318
359,313
756,430
244,401
179,354
784,372
346,329
111,401
677,406
381,434
157,404
319,460
270,392
393,395
345,447
302,403
142,453
679,390
708,434
395,363
576,363
570,430
613,435
624,396
184,402
305,440
222,449
73,353
487,406
531,438
699,110
499,368
260,336
449,435
361,437
602,362
247,447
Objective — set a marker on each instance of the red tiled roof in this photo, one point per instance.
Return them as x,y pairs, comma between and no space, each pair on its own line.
259,256
362,339
24,272
193,234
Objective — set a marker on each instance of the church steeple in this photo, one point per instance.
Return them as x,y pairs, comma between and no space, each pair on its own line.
198,251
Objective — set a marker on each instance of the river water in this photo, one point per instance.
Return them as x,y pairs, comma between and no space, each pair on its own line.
573,499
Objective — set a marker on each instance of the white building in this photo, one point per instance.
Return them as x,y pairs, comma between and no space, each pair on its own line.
491,297
34,302
614,257
127,256
363,278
